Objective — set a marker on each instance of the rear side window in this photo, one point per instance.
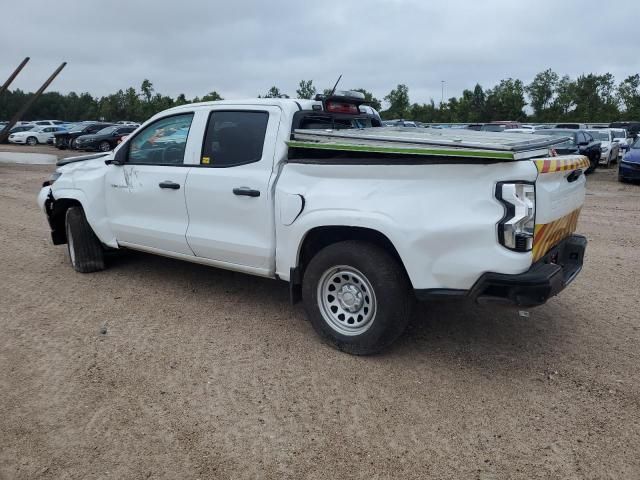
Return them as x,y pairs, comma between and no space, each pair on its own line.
234,138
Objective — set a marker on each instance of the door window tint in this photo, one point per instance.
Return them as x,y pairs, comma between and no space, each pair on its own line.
163,142
234,138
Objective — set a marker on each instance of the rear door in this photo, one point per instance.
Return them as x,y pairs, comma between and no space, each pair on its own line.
145,197
228,196
560,192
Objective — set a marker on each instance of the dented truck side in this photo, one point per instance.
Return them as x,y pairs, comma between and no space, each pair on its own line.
358,235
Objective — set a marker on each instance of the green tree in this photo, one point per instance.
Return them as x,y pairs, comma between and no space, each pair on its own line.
147,90
594,98
564,101
629,94
541,92
398,99
506,101
306,89
274,92
211,97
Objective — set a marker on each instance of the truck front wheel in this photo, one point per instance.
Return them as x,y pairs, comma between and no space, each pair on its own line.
357,297
85,250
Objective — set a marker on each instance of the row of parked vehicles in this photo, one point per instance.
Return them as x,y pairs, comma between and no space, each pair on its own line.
89,135
603,144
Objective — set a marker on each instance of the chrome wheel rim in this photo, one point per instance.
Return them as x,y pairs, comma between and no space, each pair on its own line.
105,147
346,300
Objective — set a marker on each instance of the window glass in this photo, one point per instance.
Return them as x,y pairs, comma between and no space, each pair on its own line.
163,142
234,138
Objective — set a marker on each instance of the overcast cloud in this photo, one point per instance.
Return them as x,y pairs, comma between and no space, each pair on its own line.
242,47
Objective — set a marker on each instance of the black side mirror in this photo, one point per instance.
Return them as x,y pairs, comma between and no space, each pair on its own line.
120,157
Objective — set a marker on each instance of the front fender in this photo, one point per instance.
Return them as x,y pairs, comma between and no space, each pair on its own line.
93,210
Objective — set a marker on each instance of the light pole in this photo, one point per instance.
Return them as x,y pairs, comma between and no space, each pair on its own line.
442,98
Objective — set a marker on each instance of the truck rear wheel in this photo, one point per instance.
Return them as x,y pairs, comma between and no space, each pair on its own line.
357,297
85,250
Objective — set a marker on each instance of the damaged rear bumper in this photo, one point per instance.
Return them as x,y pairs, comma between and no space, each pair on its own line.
545,279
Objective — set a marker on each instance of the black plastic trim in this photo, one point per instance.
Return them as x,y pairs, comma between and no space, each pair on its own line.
545,279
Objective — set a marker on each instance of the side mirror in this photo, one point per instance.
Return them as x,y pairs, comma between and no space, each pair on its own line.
120,157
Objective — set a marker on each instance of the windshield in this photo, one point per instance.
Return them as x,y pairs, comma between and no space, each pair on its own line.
602,136
636,144
107,131
618,134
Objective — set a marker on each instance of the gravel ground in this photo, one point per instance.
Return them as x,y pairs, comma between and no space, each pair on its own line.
160,369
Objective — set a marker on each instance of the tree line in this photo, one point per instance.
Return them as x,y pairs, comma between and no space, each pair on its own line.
550,97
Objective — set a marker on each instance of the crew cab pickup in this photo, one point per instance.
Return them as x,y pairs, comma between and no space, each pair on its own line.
360,220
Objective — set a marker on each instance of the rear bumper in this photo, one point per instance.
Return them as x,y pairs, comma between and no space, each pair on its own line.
545,279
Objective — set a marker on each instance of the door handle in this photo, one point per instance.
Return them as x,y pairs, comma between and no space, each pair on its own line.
246,191
169,184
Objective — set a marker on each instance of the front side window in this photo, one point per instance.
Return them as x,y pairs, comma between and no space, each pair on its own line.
163,142
234,138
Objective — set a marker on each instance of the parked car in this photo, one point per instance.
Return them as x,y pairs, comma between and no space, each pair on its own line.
68,138
356,230
629,166
624,140
399,123
576,126
508,124
35,135
104,140
632,128
609,148
16,129
580,142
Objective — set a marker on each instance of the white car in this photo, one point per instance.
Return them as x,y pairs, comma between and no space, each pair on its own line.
360,222
609,149
34,136
622,138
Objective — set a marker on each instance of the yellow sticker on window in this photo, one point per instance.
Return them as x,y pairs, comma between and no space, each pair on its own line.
206,160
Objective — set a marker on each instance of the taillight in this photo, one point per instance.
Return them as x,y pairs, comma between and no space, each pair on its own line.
515,230
341,107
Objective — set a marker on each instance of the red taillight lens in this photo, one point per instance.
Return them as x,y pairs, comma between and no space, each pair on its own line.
339,107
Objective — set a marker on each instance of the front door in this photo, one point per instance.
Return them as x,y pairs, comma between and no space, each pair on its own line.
146,196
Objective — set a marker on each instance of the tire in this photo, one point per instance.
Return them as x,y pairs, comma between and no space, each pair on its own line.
372,303
593,160
32,141
104,146
85,250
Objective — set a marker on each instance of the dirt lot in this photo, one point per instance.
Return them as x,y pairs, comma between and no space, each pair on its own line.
161,369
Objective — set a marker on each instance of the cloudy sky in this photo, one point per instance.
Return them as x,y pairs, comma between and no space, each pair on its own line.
242,47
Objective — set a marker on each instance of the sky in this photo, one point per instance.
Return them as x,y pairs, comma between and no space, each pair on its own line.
240,48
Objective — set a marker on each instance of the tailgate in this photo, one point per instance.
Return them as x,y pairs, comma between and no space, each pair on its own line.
560,191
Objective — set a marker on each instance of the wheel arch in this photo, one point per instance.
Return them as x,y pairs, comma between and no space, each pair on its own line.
57,218
317,238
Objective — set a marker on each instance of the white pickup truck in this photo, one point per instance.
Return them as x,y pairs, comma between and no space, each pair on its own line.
359,220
